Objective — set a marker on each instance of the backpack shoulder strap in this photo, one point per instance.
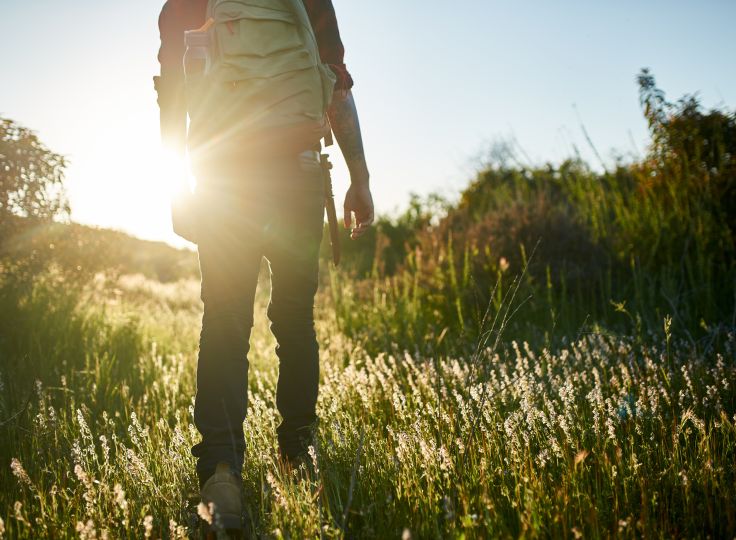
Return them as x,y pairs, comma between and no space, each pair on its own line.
298,9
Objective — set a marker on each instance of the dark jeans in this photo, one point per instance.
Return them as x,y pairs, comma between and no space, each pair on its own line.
273,210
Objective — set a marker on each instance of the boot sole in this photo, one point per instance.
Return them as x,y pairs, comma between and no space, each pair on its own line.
231,526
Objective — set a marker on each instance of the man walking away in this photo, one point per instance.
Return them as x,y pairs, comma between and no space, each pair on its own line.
259,194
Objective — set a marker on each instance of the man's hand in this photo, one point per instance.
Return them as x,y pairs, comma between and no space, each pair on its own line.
358,201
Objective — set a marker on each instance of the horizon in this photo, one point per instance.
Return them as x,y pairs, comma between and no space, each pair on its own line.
467,89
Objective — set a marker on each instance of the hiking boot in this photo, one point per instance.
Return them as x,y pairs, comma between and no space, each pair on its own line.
294,445
300,465
296,456
222,502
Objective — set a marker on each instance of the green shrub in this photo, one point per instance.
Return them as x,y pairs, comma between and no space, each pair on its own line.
654,237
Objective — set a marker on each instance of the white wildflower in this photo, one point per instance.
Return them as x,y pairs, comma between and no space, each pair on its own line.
87,530
445,462
205,512
18,512
147,526
277,493
313,454
90,495
20,473
176,531
84,428
120,500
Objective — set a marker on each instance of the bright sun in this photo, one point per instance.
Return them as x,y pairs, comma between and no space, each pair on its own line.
128,183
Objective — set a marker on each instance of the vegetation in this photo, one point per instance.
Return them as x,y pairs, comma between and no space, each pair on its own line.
630,245
553,355
80,252
31,177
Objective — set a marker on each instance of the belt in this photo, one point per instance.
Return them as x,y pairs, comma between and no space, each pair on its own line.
309,157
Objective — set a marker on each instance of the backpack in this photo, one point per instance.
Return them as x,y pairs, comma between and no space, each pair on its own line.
264,89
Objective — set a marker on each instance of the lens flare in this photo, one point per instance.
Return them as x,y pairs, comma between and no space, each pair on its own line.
176,173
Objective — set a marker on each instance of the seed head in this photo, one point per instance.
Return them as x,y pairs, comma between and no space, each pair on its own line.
20,473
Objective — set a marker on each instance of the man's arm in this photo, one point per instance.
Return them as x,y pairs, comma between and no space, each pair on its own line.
345,123
343,115
176,17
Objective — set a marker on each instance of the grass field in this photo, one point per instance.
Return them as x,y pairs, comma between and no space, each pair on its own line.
605,436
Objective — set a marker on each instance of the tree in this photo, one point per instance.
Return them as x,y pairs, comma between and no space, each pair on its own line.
31,177
692,162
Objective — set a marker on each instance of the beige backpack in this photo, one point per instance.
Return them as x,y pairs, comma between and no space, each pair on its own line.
262,88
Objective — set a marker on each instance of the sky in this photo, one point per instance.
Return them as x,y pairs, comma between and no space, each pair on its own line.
437,83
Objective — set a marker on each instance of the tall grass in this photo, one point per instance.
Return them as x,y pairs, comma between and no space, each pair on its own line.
605,436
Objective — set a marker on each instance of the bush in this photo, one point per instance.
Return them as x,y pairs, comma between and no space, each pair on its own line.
654,237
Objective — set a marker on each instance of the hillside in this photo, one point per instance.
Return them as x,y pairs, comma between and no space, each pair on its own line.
72,246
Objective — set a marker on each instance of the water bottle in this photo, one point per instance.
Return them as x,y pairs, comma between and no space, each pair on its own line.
196,55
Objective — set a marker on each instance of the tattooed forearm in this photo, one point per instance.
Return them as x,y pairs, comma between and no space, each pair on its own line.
344,119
